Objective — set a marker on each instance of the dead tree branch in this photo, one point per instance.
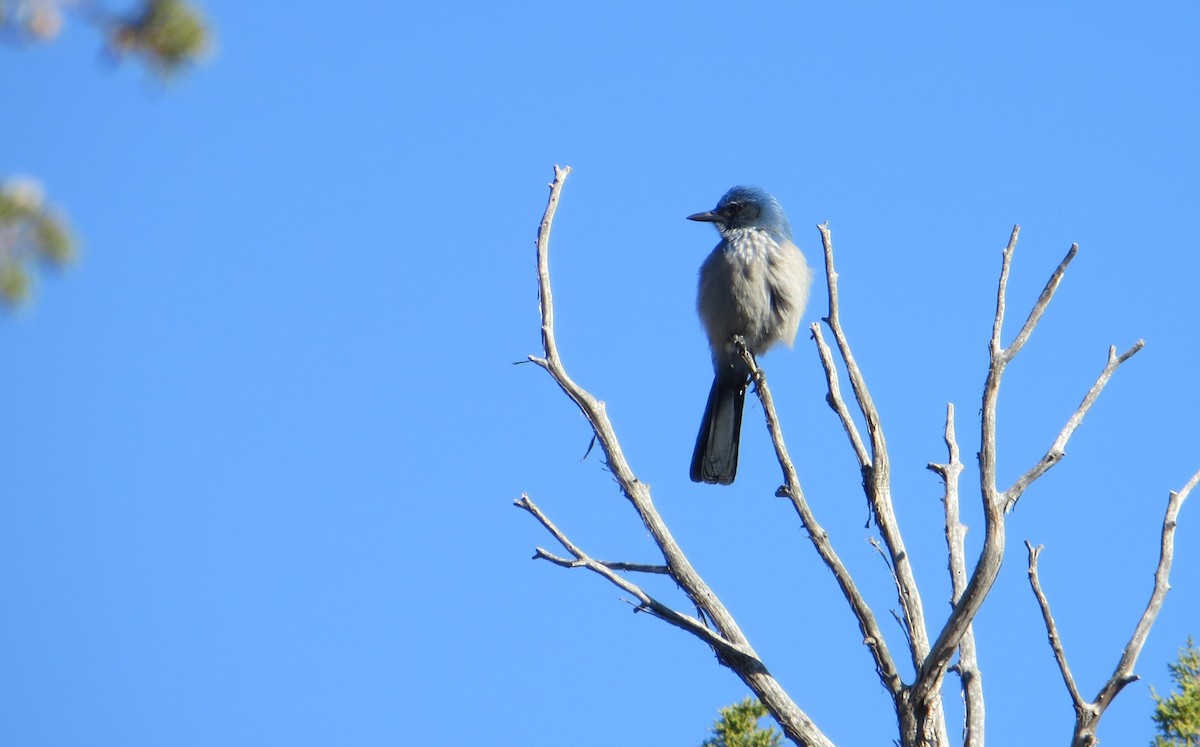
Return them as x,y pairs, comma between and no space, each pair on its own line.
925,716
1060,656
876,469
867,624
996,502
992,555
646,603
835,400
730,644
956,533
1057,450
1088,714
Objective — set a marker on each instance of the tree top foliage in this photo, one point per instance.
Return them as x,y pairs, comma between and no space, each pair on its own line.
1177,716
738,726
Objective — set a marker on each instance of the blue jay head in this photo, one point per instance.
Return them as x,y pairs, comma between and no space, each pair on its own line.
747,207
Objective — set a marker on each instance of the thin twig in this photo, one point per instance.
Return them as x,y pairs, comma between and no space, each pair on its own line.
645,601
612,565
1060,656
878,548
1057,450
1123,674
1039,307
1002,293
835,400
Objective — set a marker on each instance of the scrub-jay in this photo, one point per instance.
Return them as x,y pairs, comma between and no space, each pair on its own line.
754,284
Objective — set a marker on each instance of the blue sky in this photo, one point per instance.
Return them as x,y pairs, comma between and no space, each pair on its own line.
261,444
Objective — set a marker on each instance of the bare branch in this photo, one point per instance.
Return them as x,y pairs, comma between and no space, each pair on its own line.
614,565
877,472
1058,449
526,503
991,387
1060,655
835,400
619,565
1088,715
995,502
968,665
1123,674
645,601
1002,293
636,491
900,619
867,624
541,553
922,718
1039,307
992,556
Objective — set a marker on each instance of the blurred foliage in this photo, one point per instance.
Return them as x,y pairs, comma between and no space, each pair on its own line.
31,233
1177,716
738,727
168,35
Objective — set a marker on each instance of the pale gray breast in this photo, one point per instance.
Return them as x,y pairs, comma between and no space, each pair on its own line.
754,286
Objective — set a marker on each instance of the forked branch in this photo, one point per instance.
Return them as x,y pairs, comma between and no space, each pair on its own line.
647,603
996,502
1088,714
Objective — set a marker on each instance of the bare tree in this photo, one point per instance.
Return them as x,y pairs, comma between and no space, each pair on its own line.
918,704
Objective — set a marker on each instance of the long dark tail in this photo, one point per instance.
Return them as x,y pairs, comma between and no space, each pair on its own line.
715,459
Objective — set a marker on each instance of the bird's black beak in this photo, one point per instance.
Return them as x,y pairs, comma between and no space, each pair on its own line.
705,217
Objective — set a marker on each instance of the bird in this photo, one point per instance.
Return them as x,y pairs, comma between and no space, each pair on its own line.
754,285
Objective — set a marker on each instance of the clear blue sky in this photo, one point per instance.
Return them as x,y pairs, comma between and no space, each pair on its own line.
261,444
